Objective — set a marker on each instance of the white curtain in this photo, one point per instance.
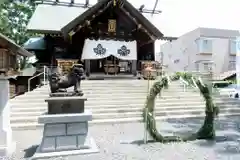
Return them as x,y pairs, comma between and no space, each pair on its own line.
98,49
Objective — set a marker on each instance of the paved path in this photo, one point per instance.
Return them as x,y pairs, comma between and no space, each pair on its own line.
124,142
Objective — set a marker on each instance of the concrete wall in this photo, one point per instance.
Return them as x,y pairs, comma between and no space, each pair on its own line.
184,53
5,127
181,50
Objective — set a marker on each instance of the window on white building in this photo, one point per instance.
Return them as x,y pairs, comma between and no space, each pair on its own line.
207,66
197,66
232,65
233,46
207,46
204,45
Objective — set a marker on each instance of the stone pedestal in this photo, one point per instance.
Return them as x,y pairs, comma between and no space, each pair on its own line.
61,105
65,133
7,146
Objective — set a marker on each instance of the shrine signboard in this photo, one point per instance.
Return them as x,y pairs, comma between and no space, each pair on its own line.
112,25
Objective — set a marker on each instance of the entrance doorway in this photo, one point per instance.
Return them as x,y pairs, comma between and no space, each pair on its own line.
111,65
125,67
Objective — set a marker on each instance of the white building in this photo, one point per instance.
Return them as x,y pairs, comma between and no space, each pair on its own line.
202,49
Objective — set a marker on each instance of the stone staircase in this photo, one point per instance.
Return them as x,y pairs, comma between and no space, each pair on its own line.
115,101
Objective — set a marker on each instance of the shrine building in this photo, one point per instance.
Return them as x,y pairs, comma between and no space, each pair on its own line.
110,37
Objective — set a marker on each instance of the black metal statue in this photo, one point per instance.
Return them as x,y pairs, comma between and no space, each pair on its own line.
59,83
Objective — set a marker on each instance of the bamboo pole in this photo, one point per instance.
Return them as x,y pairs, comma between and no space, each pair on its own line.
148,70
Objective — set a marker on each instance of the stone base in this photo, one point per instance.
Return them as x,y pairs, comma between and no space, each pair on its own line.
66,94
62,105
7,151
66,134
93,148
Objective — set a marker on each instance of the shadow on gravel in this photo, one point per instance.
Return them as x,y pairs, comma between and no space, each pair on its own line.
227,133
139,142
29,152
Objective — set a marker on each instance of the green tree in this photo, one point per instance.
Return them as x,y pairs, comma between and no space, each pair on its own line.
14,17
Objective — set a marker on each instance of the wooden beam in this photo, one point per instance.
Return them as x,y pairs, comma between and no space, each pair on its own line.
142,44
3,49
88,21
134,19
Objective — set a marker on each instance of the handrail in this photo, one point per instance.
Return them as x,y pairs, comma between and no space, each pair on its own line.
45,69
194,82
185,83
29,80
169,79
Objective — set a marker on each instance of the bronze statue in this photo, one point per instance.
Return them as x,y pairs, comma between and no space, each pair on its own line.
59,83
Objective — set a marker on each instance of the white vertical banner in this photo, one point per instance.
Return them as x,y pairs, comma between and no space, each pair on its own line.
238,60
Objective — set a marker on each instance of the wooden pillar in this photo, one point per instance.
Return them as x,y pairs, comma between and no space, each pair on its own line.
134,67
7,147
87,67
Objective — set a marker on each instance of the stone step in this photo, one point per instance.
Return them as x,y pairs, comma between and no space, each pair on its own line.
90,97
116,98
107,92
101,110
161,113
134,84
103,96
35,125
127,87
33,118
105,103
40,110
115,85
121,83
113,108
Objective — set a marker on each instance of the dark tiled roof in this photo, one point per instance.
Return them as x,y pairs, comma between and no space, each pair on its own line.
141,19
129,7
56,18
51,18
169,38
36,43
11,45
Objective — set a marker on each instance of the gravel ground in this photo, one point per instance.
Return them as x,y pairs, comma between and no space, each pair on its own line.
124,142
